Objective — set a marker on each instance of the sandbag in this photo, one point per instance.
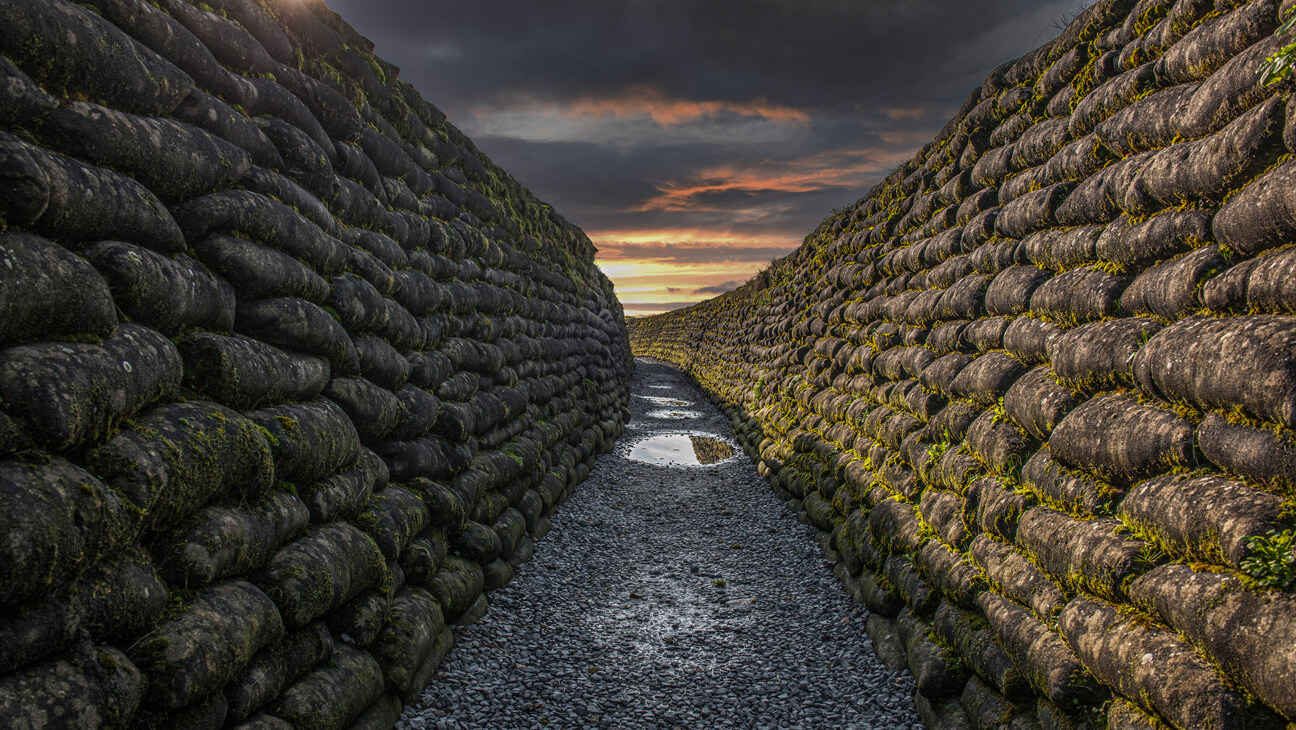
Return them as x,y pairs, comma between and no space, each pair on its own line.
48,291
70,394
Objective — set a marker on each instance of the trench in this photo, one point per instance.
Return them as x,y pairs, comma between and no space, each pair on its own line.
669,595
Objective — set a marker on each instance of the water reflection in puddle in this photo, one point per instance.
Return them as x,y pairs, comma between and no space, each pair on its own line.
662,387
681,449
672,415
664,401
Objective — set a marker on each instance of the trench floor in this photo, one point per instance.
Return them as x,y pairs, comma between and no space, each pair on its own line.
669,596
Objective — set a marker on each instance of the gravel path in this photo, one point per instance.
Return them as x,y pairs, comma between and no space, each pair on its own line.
669,597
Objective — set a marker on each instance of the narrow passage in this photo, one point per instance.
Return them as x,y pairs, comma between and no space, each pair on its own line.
669,596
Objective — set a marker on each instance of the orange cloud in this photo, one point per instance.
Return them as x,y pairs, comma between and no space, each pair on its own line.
915,113
651,102
647,101
837,168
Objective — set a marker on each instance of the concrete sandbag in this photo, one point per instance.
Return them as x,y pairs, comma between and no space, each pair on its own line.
318,573
21,99
309,441
296,324
1041,656
266,221
965,631
244,373
394,516
48,291
119,600
1173,683
175,161
1096,356
1206,518
169,294
1147,124
96,59
102,691
409,635
66,199
1250,634
1091,555
70,394
1170,289
1120,440
456,585
373,410
1224,363
203,647
204,111
1256,454
333,694
275,667
1211,167
1015,577
225,541
343,494
258,272
59,518
177,457
1155,239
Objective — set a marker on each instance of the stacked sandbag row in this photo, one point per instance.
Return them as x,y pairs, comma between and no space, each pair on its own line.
1037,390
290,373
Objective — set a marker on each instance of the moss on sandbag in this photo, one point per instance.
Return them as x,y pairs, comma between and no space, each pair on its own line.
330,696
48,292
169,294
223,541
245,373
309,441
62,198
179,456
198,650
104,689
58,519
318,573
275,667
70,49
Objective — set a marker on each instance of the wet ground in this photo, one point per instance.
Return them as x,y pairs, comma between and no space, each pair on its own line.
680,594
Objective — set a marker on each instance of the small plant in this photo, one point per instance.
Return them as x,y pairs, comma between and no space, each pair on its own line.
1278,67
719,583
1271,562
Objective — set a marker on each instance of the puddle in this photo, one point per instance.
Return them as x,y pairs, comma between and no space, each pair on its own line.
681,449
676,402
670,415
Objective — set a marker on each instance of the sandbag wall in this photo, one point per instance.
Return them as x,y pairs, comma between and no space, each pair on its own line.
1037,390
290,373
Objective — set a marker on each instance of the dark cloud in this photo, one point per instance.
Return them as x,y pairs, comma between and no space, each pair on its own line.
809,54
724,120
673,290
719,288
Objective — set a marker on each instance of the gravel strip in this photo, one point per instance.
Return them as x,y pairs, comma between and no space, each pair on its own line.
669,597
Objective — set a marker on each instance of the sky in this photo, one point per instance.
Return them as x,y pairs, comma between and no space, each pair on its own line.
696,140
